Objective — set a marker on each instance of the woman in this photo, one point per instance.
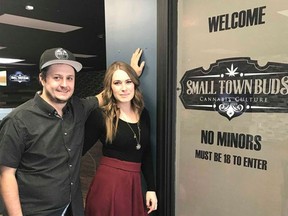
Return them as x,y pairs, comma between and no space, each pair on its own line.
123,127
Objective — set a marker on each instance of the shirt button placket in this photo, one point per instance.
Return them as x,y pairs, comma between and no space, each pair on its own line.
69,165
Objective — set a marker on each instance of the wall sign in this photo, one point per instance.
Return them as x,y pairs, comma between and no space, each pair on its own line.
236,85
19,77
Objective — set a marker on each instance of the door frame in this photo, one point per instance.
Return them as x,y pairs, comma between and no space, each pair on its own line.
166,104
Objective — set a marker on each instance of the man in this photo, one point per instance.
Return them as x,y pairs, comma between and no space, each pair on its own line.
41,142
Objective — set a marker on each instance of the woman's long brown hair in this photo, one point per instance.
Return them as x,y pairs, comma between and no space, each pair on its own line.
111,110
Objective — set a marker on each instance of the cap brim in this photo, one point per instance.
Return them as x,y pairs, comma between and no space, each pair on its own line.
76,65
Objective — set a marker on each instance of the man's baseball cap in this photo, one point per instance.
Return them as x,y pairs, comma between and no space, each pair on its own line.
58,56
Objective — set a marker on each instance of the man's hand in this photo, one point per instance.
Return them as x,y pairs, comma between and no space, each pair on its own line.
9,191
135,62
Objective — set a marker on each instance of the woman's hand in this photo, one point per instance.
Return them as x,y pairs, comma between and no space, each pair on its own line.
151,201
135,62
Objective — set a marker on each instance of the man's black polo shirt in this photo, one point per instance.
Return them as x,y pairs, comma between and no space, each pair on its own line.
46,150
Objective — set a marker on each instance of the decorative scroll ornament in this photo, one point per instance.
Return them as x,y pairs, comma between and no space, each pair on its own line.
229,109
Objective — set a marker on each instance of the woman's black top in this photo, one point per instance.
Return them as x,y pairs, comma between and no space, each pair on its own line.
124,144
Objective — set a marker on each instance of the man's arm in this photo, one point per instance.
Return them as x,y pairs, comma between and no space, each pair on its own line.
134,62
9,191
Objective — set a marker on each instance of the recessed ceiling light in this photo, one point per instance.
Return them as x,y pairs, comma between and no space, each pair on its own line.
9,60
29,7
36,24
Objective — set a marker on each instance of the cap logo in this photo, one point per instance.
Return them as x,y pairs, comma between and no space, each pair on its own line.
61,54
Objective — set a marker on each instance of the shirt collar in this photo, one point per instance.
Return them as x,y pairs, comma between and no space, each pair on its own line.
47,108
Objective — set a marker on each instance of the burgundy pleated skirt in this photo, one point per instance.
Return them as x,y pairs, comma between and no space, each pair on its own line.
116,190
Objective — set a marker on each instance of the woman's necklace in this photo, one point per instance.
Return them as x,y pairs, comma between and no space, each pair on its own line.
138,145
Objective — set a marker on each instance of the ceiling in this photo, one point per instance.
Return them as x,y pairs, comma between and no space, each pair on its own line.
77,25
